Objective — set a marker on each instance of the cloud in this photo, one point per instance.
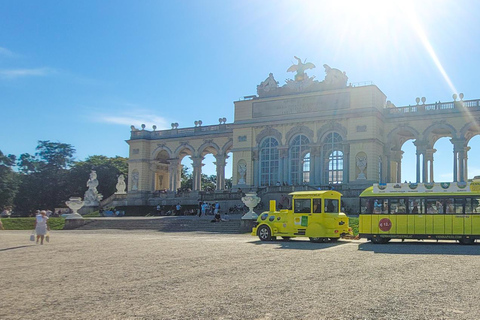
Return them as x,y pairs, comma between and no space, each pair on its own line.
136,118
18,73
5,52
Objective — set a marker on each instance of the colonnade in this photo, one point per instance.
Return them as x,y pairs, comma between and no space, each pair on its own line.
424,162
175,172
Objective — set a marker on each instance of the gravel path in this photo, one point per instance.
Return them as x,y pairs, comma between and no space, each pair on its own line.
104,274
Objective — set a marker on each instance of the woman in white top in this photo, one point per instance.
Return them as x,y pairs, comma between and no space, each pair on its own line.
41,226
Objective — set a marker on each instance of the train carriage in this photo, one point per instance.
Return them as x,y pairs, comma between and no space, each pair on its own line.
421,211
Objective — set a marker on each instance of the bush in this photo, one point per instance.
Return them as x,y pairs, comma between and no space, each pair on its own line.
28,223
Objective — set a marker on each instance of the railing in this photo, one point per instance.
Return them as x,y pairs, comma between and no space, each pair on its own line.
200,130
433,107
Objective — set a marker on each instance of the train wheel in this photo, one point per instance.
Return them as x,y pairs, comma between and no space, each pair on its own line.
378,240
264,233
467,241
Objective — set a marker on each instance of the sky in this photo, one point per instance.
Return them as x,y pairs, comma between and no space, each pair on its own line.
83,72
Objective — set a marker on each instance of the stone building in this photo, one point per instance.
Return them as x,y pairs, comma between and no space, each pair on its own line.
304,134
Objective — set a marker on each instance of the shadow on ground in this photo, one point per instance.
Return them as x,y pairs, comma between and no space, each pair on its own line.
421,247
299,244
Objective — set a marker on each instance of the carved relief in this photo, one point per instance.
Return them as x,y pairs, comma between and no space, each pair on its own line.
361,162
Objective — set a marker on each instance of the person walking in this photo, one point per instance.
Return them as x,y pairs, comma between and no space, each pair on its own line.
41,226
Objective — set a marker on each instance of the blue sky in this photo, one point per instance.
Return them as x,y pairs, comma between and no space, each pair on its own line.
82,72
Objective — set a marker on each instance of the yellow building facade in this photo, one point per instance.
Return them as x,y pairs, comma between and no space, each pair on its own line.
304,134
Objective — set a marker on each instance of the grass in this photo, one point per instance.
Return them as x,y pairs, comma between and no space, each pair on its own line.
28,223
92,214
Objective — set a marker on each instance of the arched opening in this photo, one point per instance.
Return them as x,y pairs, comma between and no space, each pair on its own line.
298,150
333,158
187,174
228,171
161,171
408,159
269,161
443,160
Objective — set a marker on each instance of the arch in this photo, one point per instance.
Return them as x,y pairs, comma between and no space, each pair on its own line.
327,128
402,133
299,130
227,147
183,150
269,131
160,148
208,147
469,131
439,130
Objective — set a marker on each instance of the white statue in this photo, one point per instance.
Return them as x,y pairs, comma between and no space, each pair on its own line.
361,165
135,178
242,172
92,197
121,186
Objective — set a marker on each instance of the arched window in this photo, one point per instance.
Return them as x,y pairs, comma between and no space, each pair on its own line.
333,151
299,154
269,161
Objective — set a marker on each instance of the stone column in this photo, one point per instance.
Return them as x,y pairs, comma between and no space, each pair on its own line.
173,165
282,174
459,147
197,173
396,156
346,162
220,163
429,157
313,164
256,170
421,164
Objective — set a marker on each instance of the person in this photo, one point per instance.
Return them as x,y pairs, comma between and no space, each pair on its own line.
415,207
217,207
1,225
430,208
41,226
177,209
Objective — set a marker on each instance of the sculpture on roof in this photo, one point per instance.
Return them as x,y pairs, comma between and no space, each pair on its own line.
300,68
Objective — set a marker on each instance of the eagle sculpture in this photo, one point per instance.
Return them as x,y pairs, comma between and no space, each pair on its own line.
300,68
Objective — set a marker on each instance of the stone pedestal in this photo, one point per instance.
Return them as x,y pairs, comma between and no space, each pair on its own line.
74,223
247,225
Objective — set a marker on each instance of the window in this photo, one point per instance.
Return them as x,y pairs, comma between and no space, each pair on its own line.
302,206
331,206
334,158
317,205
374,205
398,205
415,205
298,155
269,161
306,168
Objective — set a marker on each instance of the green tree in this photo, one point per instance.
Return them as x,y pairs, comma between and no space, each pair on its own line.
43,179
8,180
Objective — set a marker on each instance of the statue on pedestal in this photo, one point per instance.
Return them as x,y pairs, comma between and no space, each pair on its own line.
92,197
121,186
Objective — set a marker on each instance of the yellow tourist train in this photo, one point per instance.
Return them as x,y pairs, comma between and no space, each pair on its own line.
314,214
448,210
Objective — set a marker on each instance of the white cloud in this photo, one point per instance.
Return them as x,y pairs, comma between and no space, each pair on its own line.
136,118
17,73
5,52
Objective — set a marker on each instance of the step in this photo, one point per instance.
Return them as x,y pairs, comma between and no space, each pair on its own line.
165,224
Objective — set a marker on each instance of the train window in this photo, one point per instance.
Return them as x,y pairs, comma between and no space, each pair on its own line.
415,205
302,206
449,206
317,205
331,205
475,205
432,206
458,205
398,205
468,205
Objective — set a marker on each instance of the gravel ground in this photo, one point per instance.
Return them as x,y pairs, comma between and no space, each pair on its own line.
104,274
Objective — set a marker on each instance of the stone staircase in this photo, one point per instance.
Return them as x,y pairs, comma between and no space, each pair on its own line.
166,224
